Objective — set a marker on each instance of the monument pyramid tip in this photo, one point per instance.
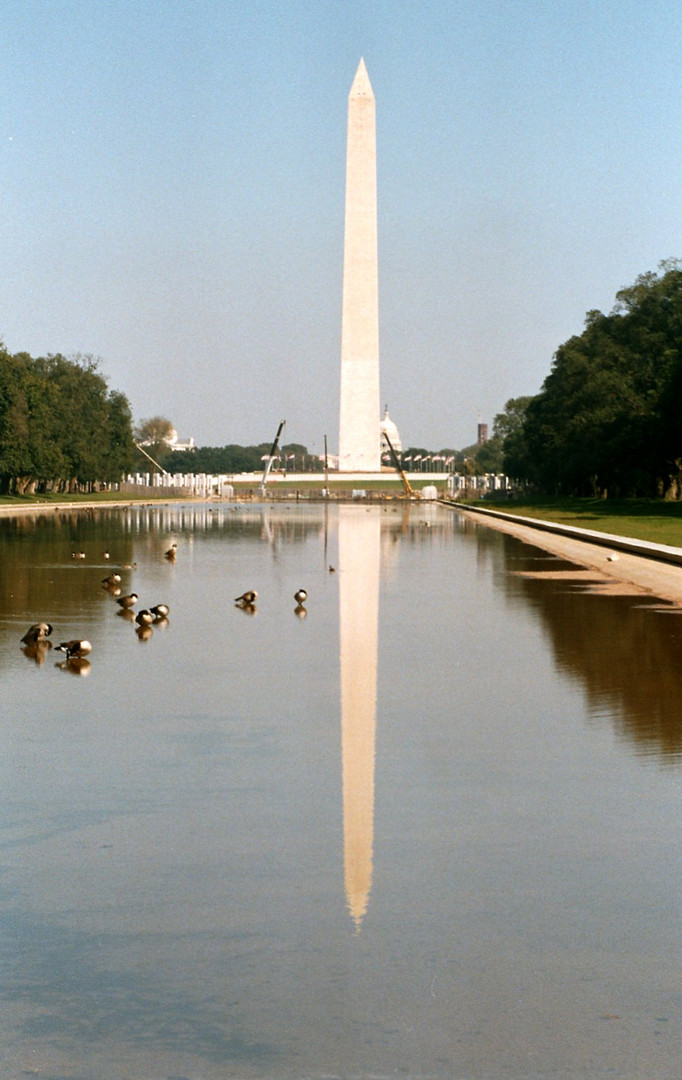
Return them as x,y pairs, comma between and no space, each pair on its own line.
361,84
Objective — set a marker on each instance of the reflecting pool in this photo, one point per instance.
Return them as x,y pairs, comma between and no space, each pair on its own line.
425,824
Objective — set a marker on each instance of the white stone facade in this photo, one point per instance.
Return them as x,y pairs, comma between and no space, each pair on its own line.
359,442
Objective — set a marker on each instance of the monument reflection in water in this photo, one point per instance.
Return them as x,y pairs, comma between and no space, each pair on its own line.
359,560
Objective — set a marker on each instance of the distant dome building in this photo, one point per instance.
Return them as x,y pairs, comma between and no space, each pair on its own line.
389,428
174,443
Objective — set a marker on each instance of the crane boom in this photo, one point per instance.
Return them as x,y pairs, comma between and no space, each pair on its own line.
409,490
271,457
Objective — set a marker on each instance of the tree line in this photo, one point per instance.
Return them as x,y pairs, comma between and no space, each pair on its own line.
608,418
219,460
295,458
61,428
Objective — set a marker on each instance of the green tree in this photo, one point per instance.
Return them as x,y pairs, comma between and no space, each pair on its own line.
608,419
154,437
119,438
508,430
59,424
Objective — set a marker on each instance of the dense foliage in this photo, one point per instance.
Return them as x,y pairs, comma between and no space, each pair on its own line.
61,428
608,420
224,460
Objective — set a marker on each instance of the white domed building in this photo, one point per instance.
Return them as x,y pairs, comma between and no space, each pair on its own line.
387,427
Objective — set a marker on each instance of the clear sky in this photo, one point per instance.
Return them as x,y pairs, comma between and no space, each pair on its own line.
172,185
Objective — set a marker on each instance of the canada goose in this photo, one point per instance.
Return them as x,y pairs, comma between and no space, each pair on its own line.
160,611
247,598
77,554
144,617
172,552
127,601
106,555
78,647
40,631
111,579
300,596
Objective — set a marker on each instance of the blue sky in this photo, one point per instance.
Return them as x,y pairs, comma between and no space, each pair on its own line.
171,196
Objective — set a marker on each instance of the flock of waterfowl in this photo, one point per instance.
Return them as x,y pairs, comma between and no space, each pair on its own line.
144,619
36,641
156,614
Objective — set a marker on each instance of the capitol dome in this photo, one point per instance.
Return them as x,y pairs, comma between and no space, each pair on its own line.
389,428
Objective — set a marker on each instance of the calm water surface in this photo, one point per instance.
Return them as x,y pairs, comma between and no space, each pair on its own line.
427,827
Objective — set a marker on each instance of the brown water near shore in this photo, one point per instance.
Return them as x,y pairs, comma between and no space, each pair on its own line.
648,576
428,826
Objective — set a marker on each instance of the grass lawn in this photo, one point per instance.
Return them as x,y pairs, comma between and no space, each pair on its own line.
51,500
654,520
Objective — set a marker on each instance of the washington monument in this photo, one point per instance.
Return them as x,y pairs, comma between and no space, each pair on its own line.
359,439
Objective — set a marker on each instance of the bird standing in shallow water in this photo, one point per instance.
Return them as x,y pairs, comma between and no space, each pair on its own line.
128,601
144,618
248,598
111,579
172,552
300,596
160,611
40,631
78,647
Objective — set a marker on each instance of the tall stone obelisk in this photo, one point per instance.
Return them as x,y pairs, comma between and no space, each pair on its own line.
359,436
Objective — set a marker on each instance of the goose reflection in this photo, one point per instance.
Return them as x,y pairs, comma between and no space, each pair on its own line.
359,558
247,602
37,651
75,665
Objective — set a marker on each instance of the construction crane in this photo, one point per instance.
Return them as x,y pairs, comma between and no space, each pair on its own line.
409,490
143,451
271,457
